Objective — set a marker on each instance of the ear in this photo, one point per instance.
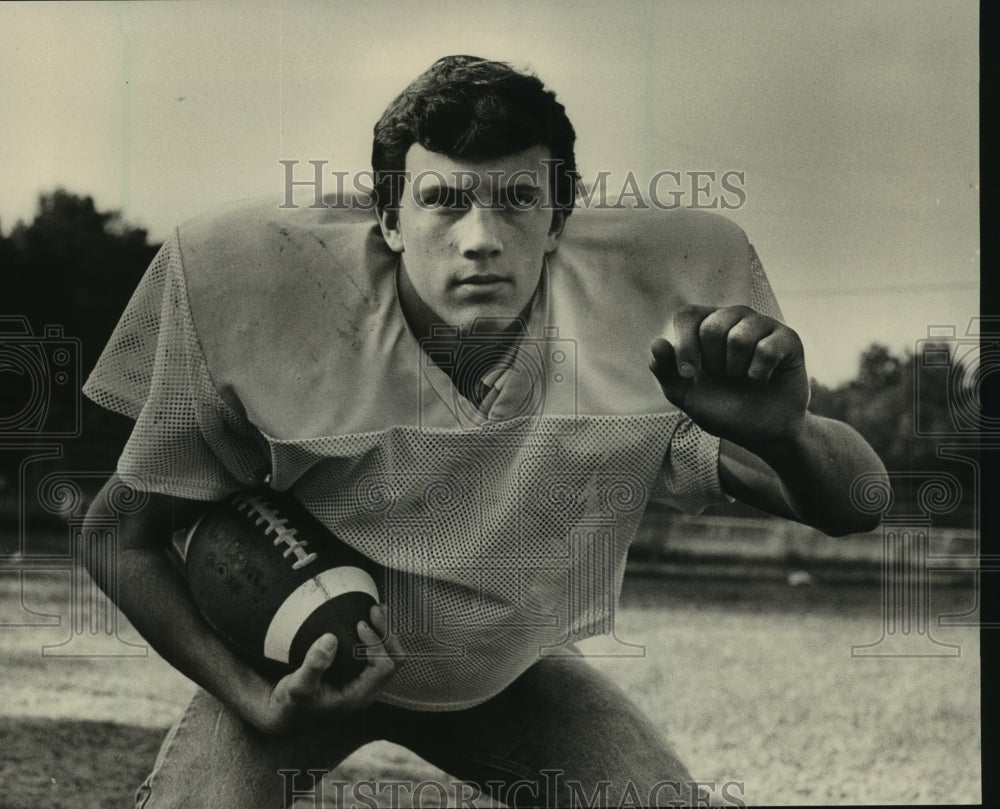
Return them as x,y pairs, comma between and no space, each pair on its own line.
389,223
555,231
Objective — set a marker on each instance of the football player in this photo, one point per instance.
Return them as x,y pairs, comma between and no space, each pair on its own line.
480,387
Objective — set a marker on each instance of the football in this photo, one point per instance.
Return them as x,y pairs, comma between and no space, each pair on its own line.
270,579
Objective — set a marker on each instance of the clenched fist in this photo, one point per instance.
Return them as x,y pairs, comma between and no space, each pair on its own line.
737,374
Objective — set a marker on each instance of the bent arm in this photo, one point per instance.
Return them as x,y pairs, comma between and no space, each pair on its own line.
155,598
741,376
807,477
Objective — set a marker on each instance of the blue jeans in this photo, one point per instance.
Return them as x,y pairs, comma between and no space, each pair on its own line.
561,735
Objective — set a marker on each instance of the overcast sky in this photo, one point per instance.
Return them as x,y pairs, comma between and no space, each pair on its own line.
855,123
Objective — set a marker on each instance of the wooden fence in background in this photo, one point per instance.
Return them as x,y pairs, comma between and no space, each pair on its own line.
668,540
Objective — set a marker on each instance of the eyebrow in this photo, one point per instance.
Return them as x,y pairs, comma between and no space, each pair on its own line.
434,185
435,189
432,191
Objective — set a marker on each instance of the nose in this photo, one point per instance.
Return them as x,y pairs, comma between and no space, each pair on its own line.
479,233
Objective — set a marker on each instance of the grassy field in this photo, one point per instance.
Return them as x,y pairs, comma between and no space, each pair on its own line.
753,681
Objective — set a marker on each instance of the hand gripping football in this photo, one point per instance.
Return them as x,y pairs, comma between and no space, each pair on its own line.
270,579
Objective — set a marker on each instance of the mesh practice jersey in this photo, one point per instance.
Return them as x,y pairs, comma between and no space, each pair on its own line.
267,344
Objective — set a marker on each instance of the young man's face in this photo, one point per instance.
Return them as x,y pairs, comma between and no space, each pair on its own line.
472,235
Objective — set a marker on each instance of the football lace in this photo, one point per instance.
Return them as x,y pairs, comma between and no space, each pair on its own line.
266,513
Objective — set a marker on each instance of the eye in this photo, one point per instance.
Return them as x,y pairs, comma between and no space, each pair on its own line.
519,197
445,198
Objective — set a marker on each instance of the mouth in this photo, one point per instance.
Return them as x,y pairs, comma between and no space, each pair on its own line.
482,280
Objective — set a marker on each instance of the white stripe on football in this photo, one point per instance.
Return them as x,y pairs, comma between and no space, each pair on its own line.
310,595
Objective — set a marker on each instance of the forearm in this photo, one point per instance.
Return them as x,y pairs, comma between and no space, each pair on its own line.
807,477
158,603
155,598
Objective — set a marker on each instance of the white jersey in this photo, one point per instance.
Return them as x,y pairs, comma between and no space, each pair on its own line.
268,345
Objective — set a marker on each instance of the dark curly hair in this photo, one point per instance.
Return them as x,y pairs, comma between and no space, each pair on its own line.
472,108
